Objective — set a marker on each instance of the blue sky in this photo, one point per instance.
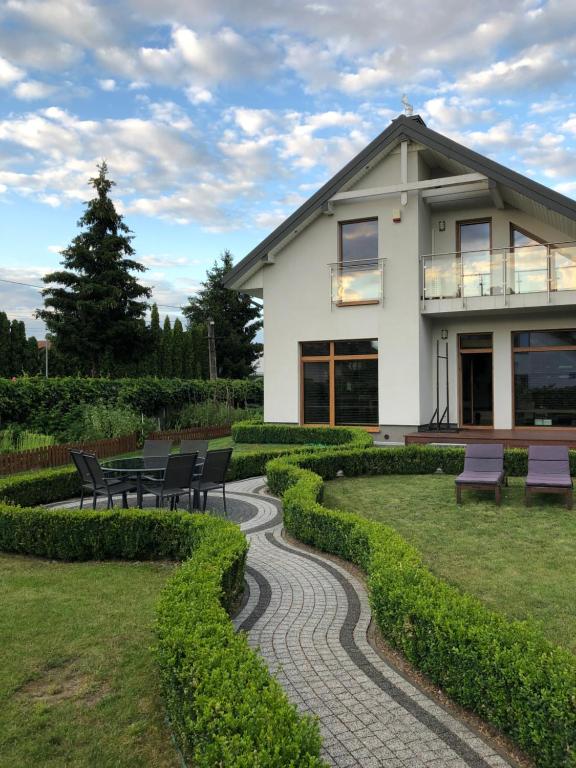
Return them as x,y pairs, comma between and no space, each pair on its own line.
218,117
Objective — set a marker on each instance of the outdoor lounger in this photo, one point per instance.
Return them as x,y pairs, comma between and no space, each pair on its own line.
483,470
548,472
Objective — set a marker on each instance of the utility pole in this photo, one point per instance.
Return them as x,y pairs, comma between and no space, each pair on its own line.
212,350
46,356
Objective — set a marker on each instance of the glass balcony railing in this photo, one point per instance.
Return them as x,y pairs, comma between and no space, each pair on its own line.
357,282
542,268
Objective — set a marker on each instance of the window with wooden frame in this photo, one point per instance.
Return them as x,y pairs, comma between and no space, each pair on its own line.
544,378
339,383
358,271
474,246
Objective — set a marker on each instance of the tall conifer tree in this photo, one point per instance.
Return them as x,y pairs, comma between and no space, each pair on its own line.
95,307
236,321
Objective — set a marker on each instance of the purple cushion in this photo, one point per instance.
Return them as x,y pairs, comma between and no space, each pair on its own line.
484,478
550,480
484,457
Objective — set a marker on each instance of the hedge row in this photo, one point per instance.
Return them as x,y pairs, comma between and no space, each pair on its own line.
22,399
506,671
255,432
50,485
224,706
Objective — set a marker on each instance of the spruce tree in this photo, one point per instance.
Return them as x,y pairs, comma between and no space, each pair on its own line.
177,348
166,349
32,357
95,306
236,321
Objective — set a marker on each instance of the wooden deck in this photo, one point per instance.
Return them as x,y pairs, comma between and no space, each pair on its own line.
511,438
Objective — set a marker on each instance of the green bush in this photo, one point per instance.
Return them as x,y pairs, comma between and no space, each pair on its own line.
254,432
42,486
51,406
505,671
224,706
210,414
101,421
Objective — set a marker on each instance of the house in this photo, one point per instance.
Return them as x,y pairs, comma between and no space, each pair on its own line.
423,287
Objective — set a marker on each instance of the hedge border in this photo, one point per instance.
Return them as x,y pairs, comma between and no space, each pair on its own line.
225,707
257,432
503,670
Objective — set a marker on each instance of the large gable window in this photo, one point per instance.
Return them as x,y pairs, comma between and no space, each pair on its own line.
340,382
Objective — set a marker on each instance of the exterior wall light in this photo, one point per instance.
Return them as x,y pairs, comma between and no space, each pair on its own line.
444,334
442,226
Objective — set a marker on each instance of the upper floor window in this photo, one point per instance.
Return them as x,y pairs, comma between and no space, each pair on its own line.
474,244
357,275
358,240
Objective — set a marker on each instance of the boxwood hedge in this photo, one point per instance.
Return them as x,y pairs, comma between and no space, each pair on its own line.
256,432
224,706
504,670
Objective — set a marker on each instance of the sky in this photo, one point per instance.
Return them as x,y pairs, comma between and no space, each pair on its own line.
217,118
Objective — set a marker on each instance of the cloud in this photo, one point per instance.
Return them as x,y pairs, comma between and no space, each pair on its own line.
9,73
108,84
192,60
31,90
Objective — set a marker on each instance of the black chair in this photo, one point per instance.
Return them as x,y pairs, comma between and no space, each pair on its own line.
194,446
85,476
177,480
104,486
213,475
156,448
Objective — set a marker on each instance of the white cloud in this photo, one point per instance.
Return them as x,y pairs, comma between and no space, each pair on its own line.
108,84
31,90
9,73
55,248
78,21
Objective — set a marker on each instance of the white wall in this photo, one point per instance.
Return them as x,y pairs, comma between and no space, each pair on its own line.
297,305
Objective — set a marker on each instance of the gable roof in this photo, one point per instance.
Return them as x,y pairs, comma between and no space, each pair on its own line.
415,129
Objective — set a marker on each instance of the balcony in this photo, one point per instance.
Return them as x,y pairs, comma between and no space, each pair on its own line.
500,278
357,282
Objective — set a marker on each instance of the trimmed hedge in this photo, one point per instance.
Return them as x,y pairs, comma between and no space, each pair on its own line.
505,671
254,432
224,706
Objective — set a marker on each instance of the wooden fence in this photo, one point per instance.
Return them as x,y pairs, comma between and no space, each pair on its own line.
58,455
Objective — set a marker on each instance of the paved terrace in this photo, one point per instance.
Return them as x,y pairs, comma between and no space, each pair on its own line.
309,618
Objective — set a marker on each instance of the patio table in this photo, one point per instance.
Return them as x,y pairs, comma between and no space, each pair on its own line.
138,467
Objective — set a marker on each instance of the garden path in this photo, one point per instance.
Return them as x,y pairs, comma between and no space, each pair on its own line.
309,618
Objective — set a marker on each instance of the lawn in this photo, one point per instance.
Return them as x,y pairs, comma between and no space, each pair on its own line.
78,683
517,560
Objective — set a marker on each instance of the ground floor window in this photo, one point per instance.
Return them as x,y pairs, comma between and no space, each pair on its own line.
544,378
340,382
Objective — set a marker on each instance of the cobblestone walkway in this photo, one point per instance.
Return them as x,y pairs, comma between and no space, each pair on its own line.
309,618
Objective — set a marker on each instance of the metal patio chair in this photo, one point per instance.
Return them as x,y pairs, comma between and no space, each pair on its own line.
105,486
194,446
548,472
177,480
213,475
483,470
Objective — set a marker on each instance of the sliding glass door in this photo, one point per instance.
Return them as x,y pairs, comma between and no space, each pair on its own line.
340,382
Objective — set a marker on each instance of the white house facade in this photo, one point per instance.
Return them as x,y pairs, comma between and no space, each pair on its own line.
424,285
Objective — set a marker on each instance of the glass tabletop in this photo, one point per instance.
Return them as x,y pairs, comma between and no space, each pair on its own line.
135,464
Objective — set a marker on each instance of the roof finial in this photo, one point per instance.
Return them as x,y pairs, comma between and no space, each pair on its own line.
408,108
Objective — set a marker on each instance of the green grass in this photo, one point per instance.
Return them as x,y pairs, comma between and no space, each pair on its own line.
518,560
78,683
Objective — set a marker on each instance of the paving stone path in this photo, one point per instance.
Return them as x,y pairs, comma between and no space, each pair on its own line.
309,618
